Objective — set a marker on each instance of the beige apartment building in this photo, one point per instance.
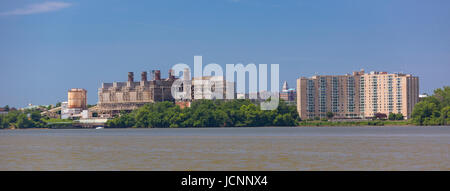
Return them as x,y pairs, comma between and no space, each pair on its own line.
357,95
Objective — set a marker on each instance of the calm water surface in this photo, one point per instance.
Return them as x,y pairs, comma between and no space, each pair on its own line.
297,148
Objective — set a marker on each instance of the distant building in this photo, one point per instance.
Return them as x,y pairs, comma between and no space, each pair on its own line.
29,106
241,96
127,96
3,111
361,95
76,104
205,87
211,87
422,97
289,95
255,98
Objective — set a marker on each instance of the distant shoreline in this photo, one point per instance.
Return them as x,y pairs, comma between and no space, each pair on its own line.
299,126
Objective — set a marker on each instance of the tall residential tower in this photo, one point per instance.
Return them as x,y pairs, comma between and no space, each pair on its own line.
357,95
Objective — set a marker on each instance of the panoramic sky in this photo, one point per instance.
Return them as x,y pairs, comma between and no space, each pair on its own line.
48,47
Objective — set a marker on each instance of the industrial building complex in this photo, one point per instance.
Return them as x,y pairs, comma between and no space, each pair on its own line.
127,96
130,95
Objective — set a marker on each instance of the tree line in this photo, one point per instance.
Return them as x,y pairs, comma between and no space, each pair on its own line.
433,110
22,119
207,113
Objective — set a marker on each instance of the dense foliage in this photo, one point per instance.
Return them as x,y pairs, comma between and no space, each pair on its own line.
21,119
207,113
433,110
394,116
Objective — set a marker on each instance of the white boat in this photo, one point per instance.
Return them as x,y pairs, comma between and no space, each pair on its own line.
99,128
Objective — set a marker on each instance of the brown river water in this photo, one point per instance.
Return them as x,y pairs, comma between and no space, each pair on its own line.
276,148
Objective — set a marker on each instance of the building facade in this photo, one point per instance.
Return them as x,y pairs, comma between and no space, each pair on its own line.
211,87
205,87
289,95
357,95
127,96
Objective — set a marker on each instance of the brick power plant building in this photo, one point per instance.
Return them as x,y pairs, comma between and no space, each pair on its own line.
360,95
126,96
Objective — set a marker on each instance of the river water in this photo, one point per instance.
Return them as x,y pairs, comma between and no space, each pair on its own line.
295,148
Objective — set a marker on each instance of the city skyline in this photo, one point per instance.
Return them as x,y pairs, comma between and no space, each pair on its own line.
49,47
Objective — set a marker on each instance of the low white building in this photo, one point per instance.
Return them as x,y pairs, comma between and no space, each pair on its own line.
70,113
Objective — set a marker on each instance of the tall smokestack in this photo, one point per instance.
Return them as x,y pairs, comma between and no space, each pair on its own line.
171,74
157,74
144,76
130,77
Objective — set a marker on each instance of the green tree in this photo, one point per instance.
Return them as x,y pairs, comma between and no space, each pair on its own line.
35,116
399,116
330,115
2,126
207,113
425,113
392,116
11,117
445,114
284,120
442,96
23,122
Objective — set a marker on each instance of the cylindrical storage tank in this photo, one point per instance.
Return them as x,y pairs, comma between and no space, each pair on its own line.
77,98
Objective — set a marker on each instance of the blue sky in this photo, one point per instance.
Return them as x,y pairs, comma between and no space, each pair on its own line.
48,47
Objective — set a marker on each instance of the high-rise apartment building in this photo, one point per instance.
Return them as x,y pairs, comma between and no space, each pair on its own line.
357,95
